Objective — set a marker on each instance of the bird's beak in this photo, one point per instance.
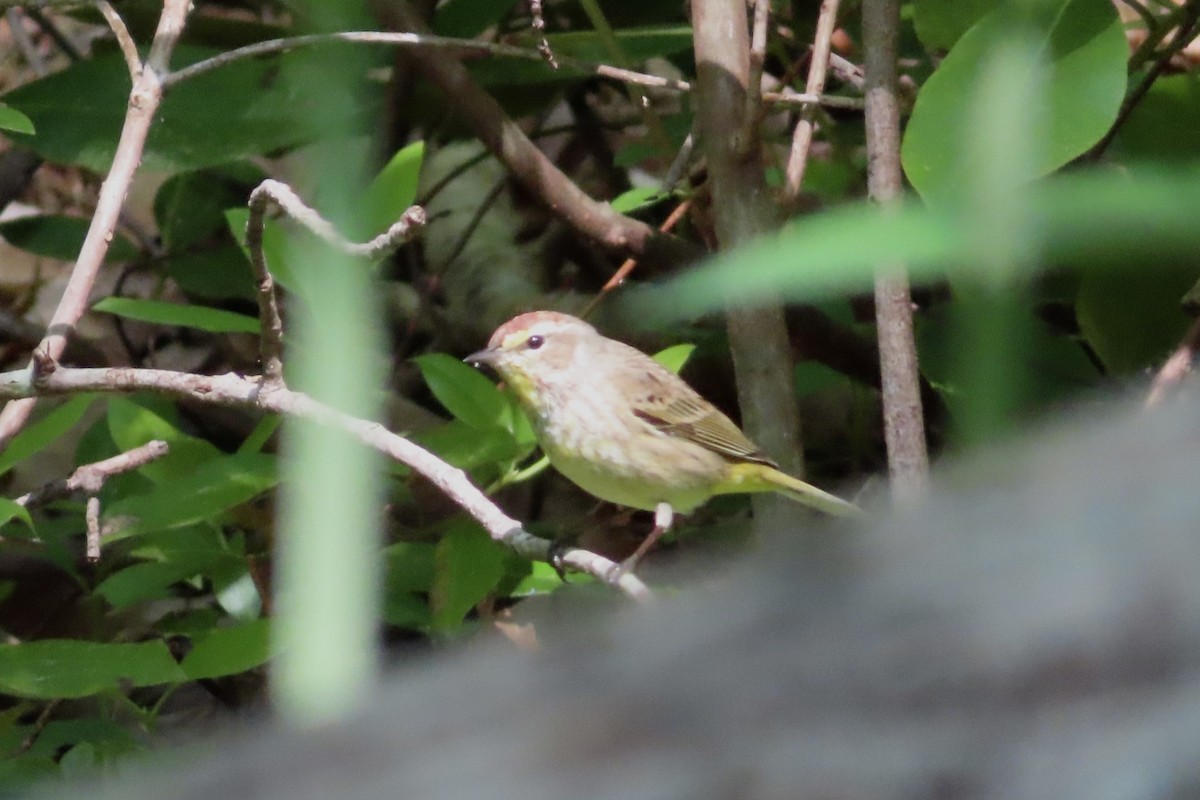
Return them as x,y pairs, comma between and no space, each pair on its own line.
484,358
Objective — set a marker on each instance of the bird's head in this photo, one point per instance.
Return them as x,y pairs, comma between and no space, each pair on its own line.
532,350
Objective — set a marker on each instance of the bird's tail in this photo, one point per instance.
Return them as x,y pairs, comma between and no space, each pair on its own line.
752,477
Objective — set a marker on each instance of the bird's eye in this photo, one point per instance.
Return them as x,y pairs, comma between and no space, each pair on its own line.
534,342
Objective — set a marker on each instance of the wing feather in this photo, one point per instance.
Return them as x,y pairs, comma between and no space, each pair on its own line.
666,402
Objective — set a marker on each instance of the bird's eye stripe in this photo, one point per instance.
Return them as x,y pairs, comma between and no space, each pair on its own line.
534,342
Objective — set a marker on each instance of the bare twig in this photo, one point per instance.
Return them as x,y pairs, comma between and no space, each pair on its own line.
537,173
904,425
846,70
143,104
271,341
789,97
248,391
622,273
90,478
758,57
817,69
128,48
1176,368
446,44
1183,35
537,16
91,518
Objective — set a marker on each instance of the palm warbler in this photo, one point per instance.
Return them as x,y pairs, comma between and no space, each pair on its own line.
626,429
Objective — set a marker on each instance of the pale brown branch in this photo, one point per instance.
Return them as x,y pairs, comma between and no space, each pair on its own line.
90,478
232,389
421,41
789,97
143,104
758,57
817,70
128,48
1176,368
91,518
271,341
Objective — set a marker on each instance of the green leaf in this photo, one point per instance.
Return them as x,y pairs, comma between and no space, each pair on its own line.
392,191
11,509
675,357
469,565
229,651
1163,125
1133,319
542,579
224,115
1082,72
132,425
410,566
153,581
54,668
189,207
221,273
212,489
13,120
213,320
60,237
464,391
467,19
635,199
468,447
940,23
46,430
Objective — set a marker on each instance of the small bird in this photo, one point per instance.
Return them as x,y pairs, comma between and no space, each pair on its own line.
625,428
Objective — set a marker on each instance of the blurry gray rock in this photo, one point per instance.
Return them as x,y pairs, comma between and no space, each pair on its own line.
1034,632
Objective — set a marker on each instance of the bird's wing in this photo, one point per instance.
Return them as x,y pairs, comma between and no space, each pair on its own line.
673,407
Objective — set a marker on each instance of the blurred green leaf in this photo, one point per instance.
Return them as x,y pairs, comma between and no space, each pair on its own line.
410,566
13,120
636,199
464,391
213,320
44,431
152,581
60,237
1163,125
468,447
1083,73
469,565
53,668
229,651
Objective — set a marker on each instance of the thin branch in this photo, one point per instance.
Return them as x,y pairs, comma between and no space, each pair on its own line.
626,268
451,46
232,389
1183,35
1176,368
904,424
789,97
143,104
846,70
90,478
758,57
91,518
530,166
538,19
817,69
128,48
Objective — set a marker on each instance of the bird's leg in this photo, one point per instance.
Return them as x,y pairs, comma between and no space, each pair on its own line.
664,515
